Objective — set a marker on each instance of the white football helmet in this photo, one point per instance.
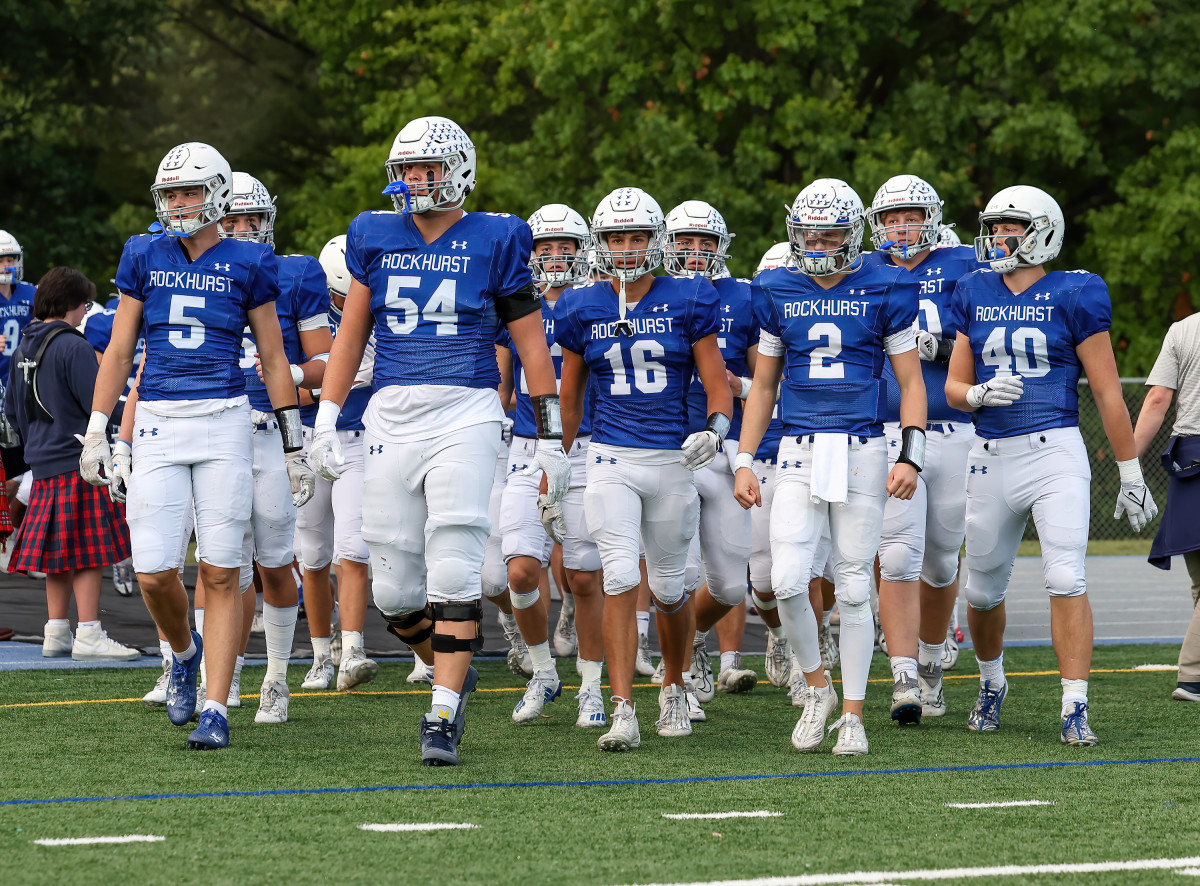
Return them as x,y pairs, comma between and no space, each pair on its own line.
432,140
192,163
828,204
905,192
15,273
557,221
698,218
628,209
778,256
1044,225
251,197
333,262
947,236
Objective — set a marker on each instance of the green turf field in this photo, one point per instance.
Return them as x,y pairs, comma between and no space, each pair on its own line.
87,737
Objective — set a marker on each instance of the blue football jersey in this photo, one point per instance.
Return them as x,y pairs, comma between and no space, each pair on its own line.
936,276
97,329
524,424
194,312
738,333
1033,335
303,294
834,343
640,381
15,313
434,304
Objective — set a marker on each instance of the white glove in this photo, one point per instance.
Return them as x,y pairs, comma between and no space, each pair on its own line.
122,467
258,417
95,462
325,453
551,515
506,430
1134,500
550,458
1003,390
927,345
699,449
304,481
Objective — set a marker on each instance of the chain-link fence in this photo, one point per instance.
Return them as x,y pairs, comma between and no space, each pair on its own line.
1105,479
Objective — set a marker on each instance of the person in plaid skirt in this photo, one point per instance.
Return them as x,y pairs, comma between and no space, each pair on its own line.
71,529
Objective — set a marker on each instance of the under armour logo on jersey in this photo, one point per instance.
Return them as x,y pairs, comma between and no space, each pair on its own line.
982,469
600,459
1041,296
143,431
657,308
931,271
458,244
790,464
726,309
222,266
515,468
376,450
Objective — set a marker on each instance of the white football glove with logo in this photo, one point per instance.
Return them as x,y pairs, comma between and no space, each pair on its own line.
1134,499
325,451
550,458
1003,390
122,468
95,462
304,481
551,515
927,345
699,449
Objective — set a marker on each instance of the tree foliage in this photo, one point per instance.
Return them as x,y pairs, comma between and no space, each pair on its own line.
740,104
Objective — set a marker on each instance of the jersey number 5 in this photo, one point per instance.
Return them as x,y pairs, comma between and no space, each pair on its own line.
193,337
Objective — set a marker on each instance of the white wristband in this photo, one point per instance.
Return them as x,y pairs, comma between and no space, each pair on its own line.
743,460
327,415
745,391
297,374
122,447
97,424
1131,472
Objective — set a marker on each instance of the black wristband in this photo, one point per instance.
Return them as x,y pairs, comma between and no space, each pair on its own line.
718,423
548,416
912,447
290,428
944,349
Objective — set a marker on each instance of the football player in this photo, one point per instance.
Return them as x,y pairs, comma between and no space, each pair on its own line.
1024,337
302,307
16,312
435,283
697,243
922,536
826,326
192,444
640,338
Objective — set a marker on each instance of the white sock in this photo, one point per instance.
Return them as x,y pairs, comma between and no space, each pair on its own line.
58,623
237,667
904,667
200,622
928,653
445,703
88,624
279,623
164,649
321,647
187,654
210,705
701,638
539,654
797,618
826,616
643,624
992,671
777,632
728,659
507,620
590,671
352,639
856,642
1073,691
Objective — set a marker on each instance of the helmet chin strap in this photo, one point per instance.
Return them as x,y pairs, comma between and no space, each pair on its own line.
624,326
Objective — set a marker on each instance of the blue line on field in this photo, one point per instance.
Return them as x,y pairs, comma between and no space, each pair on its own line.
287,792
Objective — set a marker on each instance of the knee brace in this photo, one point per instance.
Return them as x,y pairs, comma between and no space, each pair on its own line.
524,601
469,611
763,604
405,625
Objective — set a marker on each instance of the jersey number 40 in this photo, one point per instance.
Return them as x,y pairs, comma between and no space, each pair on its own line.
1024,352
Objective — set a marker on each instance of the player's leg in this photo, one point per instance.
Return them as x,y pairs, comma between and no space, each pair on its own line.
581,565
778,660
996,515
352,556
495,578
314,542
565,642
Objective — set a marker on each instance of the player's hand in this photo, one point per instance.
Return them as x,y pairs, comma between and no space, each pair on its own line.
506,431
551,515
122,468
735,383
1134,499
902,481
258,417
745,489
699,449
1003,390
325,453
551,460
927,345
95,462
304,481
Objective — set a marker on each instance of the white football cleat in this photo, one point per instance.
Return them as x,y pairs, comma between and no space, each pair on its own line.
659,671
157,697
235,691
591,706
737,679
543,687
702,674
819,706
421,672
778,660
830,654
673,720
929,681
565,640
355,669
273,703
320,675
643,666
852,737
624,734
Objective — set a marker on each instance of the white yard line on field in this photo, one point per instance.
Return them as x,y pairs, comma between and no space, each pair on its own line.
88,841
1006,804
758,813
419,826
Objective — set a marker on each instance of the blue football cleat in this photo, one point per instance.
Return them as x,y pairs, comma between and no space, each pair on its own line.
1075,729
985,716
181,687
211,733
439,742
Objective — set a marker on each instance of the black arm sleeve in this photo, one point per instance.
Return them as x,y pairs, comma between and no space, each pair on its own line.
521,303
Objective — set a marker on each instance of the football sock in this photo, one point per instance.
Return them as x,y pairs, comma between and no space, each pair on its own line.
322,647
210,705
279,623
187,654
777,632
992,671
200,622
352,640
539,654
728,660
445,703
590,671
929,653
904,667
643,624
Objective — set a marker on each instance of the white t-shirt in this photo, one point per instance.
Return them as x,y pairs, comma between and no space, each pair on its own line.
1178,368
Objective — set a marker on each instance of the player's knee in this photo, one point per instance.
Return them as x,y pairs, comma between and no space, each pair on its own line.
852,582
727,592
790,573
982,596
524,572
622,575
669,600
761,603
1064,581
466,611
393,597
452,579
940,568
899,562
855,613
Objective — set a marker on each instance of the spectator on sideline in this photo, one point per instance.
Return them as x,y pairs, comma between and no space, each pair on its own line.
71,529
1177,371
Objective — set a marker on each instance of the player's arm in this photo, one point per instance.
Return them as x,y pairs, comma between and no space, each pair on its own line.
914,407
740,386
700,448
318,342
507,389
961,390
1150,419
277,376
756,415
117,364
570,394
529,338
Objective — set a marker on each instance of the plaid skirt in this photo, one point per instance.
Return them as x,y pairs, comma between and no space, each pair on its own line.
69,524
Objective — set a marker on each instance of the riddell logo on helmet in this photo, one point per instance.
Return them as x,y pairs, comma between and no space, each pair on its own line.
623,221
170,178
